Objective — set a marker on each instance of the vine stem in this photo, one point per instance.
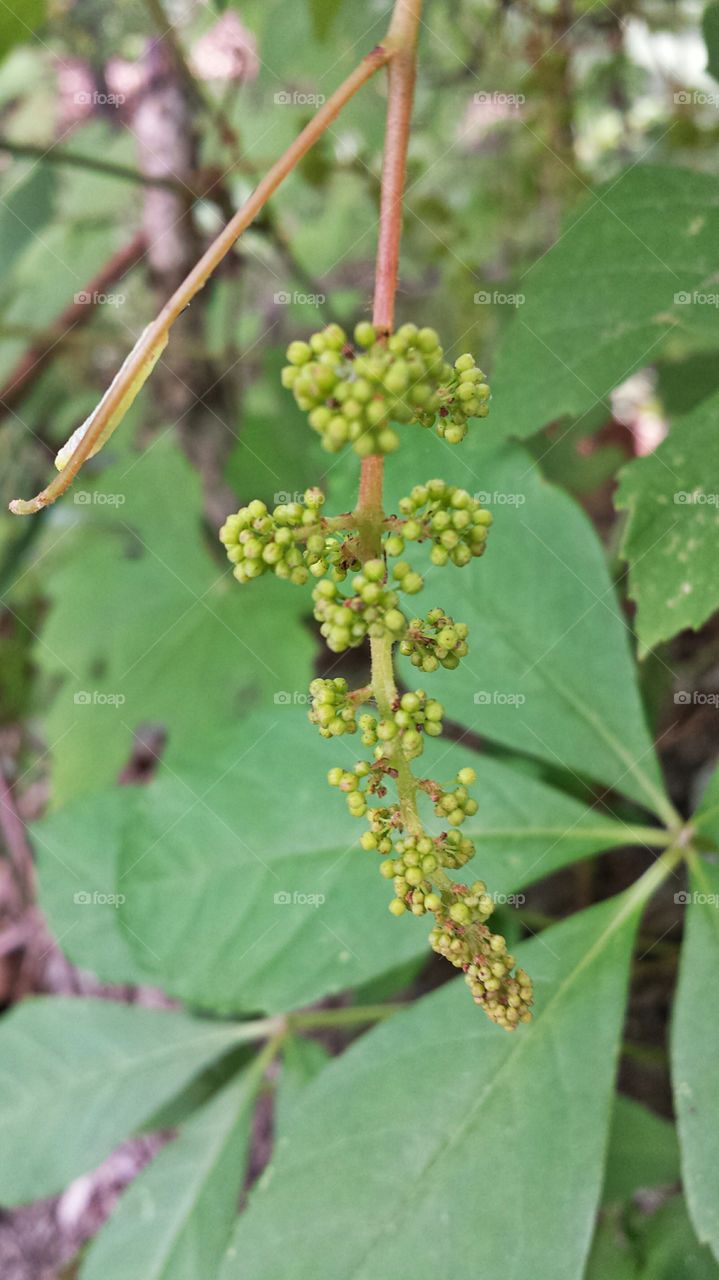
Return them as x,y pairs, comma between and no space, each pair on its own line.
153,339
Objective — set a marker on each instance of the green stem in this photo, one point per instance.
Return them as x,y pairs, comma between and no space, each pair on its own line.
343,1017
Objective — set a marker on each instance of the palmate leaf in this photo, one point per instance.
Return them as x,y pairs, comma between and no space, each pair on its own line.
550,668
472,1147
669,543
146,628
174,1221
77,1076
695,1050
193,862
220,894
623,284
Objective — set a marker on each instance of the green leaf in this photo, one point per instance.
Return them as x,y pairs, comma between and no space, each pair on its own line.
211,855
670,1249
706,818
550,668
669,543
169,841
302,1061
324,14
643,1152
77,1076
613,1256
609,297
438,1144
147,628
710,29
695,1051
26,209
18,22
76,852
174,1221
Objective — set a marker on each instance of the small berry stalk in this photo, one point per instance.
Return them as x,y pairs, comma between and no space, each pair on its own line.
358,394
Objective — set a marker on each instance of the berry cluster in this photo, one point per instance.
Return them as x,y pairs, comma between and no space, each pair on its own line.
353,393
334,708
412,715
456,523
291,541
438,641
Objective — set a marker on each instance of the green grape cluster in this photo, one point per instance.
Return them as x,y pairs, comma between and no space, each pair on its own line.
487,965
412,715
456,523
334,709
438,641
354,392
291,541
453,806
372,610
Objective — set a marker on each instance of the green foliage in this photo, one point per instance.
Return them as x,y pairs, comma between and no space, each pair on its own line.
629,279
669,542
400,1150
695,1044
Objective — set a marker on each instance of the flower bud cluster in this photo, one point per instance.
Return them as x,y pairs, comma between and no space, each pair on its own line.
353,393
456,523
437,642
293,541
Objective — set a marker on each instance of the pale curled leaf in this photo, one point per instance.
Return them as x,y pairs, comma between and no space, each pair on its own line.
89,438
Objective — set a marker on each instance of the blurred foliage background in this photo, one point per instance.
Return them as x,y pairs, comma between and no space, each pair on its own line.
129,133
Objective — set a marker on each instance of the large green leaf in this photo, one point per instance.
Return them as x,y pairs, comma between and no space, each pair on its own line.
669,542
710,28
18,23
77,1076
174,1221
146,627
439,1145
627,279
550,669
210,856
695,1052
643,1152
